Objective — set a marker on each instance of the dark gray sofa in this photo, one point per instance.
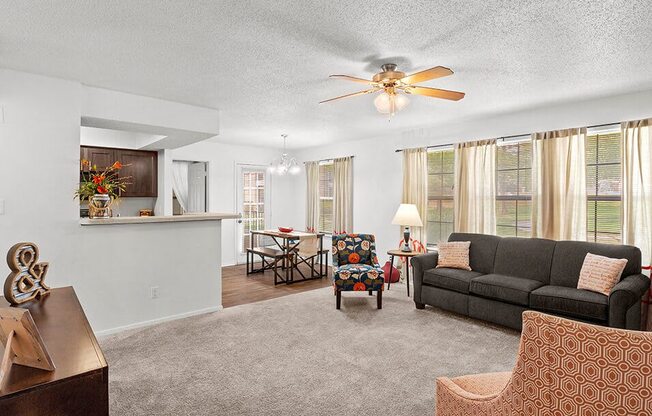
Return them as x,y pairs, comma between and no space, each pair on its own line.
511,275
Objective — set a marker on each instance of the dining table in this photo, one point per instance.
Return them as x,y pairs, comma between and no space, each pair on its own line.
288,244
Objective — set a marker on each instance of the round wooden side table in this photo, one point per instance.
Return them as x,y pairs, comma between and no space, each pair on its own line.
398,253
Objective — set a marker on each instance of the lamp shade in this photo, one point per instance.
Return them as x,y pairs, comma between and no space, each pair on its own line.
407,214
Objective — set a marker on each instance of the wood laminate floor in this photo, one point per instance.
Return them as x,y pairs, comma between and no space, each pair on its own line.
238,288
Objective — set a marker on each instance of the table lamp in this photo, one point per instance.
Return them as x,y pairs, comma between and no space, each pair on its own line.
408,216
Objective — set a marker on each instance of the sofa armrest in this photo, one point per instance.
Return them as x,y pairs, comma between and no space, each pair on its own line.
420,264
627,293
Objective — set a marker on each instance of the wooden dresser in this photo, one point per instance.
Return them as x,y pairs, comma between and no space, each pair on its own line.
80,383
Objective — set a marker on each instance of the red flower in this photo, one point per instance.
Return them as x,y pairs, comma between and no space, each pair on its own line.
354,258
97,179
102,190
117,165
359,287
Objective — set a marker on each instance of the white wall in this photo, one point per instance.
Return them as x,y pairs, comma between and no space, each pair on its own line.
222,160
39,171
169,124
377,182
130,207
377,173
39,154
92,136
182,260
103,104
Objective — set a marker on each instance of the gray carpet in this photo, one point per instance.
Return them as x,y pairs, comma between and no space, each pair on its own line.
298,355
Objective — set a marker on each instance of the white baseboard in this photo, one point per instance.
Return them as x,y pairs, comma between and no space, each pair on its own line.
142,324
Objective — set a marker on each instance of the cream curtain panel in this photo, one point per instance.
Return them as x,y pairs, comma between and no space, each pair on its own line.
312,196
475,187
180,182
559,184
637,186
343,195
415,187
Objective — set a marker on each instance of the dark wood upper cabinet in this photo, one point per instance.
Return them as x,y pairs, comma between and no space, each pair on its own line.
141,168
101,157
139,165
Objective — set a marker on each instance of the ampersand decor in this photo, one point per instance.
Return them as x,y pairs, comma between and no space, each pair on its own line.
27,278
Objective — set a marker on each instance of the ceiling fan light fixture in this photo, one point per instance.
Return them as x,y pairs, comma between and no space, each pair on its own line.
390,103
394,84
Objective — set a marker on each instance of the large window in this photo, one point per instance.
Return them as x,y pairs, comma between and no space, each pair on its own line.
603,187
326,197
514,189
441,171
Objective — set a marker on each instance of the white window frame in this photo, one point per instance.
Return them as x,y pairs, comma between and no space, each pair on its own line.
324,198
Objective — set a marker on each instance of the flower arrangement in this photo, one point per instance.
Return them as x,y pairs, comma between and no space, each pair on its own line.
107,182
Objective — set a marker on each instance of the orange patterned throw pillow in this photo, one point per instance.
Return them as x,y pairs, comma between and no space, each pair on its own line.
600,274
454,254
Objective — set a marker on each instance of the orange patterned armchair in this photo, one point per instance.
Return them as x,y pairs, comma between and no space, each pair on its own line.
563,368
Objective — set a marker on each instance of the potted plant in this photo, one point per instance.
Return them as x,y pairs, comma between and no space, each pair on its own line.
100,188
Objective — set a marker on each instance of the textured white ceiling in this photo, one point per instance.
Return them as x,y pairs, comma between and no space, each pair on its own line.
265,65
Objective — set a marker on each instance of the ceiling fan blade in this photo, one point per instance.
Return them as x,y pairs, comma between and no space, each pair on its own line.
351,95
435,93
354,79
428,74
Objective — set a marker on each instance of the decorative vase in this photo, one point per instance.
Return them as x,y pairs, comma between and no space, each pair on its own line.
99,206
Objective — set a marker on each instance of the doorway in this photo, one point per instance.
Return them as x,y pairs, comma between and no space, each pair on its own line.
189,187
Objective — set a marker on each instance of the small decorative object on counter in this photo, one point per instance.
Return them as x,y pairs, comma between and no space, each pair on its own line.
101,188
99,206
27,278
285,229
145,213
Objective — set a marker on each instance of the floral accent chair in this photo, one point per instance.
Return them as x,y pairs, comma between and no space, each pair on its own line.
355,266
563,367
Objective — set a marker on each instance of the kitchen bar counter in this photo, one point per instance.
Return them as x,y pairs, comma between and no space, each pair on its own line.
158,219
150,269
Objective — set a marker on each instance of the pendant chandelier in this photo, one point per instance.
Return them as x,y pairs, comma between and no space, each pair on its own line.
285,164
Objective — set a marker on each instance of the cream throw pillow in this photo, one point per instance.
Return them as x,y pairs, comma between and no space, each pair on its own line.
454,254
600,274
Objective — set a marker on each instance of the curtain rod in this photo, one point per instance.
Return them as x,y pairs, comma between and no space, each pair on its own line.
328,160
513,136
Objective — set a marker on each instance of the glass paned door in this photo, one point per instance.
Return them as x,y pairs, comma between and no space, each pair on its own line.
253,189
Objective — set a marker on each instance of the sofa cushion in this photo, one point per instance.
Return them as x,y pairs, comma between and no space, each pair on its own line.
454,255
510,289
528,258
600,274
482,250
569,257
451,279
358,277
571,302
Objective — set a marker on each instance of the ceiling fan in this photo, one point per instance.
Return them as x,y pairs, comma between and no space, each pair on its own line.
396,84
